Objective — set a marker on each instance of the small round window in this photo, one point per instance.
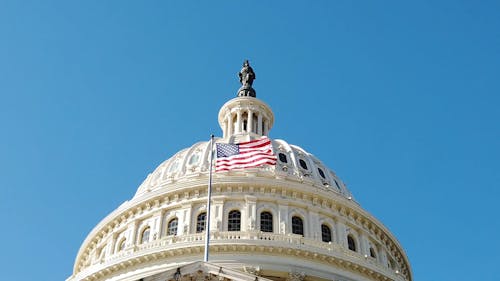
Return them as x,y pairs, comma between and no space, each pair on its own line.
321,173
303,164
283,158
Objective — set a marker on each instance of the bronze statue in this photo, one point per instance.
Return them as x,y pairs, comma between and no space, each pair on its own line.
246,74
246,79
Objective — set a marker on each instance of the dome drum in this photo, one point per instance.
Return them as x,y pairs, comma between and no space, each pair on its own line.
156,209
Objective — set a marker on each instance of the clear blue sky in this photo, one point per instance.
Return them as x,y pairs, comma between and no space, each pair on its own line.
400,98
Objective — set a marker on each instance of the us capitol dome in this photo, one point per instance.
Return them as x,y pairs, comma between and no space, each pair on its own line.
291,221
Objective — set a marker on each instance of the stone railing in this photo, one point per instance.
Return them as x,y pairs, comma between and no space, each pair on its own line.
256,238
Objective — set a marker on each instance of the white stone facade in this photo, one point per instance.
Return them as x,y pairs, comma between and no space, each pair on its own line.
158,230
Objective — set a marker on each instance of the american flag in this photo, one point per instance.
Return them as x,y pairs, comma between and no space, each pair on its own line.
244,155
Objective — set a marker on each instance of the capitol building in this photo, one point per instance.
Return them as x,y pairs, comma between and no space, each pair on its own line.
289,220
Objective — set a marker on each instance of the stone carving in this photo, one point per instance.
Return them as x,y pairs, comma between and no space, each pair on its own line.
199,276
246,79
252,270
296,276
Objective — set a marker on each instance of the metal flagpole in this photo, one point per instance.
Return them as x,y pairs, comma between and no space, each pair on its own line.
209,195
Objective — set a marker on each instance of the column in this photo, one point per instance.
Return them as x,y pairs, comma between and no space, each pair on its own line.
259,124
363,245
250,121
341,234
216,215
283,218
158,223
133,234
313,226
238,122
224,130
251,213
111,246
230,125
184,218
383,256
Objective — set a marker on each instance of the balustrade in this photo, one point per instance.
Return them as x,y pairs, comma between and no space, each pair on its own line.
245,237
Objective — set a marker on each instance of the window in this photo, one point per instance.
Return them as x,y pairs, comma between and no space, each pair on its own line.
321,173
174,166
266,222
303,164
326,233
337,184
194,158
351,243
145,235
283,158
200,222
297,226
172,226
234,221
372,253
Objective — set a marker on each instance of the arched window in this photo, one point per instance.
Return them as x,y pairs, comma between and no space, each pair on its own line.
321,173
351,243
297,226
283,158
200,222
234,221
372,253
266,222
172,226
122,244
303,164
326,233
145,235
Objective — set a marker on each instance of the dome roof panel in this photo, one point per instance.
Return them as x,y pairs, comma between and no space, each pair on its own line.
293,163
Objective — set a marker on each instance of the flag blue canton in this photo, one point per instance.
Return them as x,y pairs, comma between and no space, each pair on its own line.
226,150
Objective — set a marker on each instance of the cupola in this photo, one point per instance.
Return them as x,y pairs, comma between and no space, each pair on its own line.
245,117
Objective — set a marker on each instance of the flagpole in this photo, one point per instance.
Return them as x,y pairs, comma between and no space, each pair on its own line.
209,195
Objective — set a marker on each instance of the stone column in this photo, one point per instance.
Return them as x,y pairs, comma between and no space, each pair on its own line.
250,121
184,219
313,229
283,218
133,233
238,122
341,234
216,215
224,130
157,226
259,124
251,213
111,246
383,257
230,125
363,245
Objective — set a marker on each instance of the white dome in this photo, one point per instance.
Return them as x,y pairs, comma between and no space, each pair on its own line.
294,163
292,221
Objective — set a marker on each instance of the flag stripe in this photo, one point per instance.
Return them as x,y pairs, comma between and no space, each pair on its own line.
244,155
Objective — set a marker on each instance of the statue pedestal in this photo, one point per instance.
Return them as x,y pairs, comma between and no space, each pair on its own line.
246,91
